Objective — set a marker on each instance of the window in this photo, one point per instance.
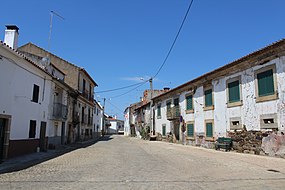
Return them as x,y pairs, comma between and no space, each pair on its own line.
36,90
190,130
189,103
159,111
265,83
168,106
163,130
208,98
32,130
234,92
209,129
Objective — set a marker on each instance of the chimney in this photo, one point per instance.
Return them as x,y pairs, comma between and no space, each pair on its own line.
166,89
11,36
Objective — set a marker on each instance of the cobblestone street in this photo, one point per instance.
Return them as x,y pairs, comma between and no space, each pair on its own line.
119,162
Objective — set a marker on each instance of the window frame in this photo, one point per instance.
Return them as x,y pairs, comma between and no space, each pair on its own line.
190,137
36,96
158,111
32,131
237,103
273,96
210,107
212,138
189,110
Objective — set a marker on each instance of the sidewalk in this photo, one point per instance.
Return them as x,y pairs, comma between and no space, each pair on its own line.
26,161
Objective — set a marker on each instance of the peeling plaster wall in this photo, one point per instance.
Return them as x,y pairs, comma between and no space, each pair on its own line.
249,112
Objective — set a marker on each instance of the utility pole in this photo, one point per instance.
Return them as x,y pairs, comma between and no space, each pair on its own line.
103,117
151,114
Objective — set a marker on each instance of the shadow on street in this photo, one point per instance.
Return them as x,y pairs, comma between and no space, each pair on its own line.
29,160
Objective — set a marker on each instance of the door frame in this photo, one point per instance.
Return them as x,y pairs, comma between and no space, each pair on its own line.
6,140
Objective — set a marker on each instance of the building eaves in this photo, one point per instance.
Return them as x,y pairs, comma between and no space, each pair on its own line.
229,65
31,44
86,73
23,57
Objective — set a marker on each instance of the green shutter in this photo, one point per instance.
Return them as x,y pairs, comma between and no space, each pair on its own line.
190,130
189,102
208,98
265,83
159,111
233,89
163,130
209,130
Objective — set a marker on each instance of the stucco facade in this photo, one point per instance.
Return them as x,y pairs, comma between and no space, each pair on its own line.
254,110
26,107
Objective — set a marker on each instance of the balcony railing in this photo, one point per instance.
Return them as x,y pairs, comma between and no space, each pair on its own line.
85,94
60,111
173,113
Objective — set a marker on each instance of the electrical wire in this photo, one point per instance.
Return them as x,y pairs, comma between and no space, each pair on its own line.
129,90
175,39
110,90
114,106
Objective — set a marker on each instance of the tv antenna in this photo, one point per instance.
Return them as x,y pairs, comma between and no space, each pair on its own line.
52,13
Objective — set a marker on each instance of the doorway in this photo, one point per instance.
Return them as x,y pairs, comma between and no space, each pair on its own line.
2,136
43,147
176,127
63,133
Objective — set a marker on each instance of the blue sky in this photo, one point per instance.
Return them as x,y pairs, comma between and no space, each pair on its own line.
119,42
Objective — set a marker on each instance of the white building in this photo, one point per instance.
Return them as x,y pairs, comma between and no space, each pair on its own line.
97,120
24,104
116,125
249,92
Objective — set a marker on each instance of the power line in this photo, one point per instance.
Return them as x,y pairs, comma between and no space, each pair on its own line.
114,106
110,90
130,90
175,39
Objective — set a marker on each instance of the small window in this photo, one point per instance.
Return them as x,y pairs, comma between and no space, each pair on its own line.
189,102
164,130
36,91
265,83
234,92
32,130
159,111
190,130
208,98
235,123
209,129
168,106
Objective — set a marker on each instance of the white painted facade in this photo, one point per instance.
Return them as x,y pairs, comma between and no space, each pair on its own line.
116,125
97,120
127,130
17,78
253,112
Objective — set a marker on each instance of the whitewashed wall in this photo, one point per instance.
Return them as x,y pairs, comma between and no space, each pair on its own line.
249,111
17,78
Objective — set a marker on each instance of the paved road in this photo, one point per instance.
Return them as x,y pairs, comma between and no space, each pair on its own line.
130,163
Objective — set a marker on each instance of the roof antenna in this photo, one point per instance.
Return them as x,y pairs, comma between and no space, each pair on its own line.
50,26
